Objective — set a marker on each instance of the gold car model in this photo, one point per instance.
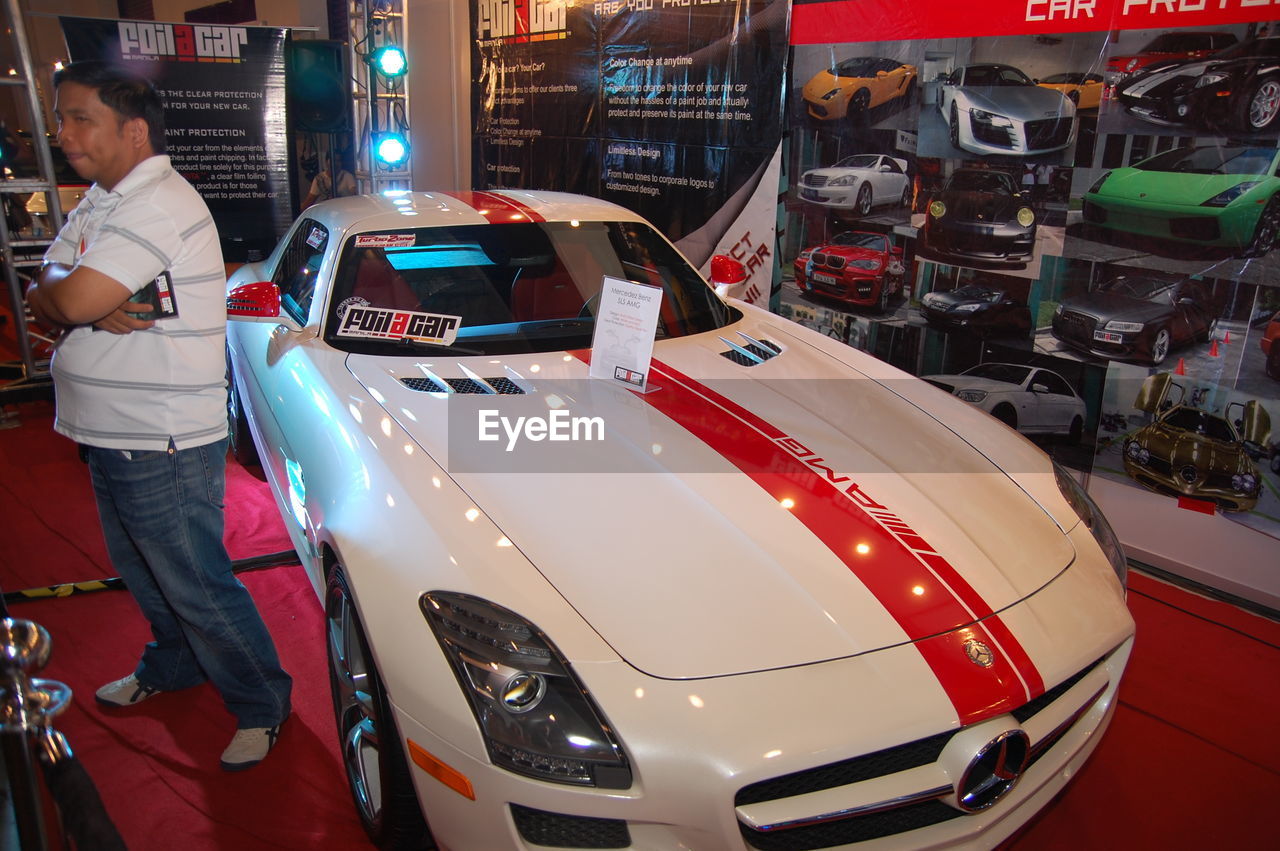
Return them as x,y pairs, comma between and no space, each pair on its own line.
1191,452
857,85
1084,90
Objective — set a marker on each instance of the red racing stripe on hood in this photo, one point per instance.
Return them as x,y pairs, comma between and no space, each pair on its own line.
497,208
925,595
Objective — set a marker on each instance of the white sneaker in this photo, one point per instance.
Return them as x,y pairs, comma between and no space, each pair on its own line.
249,747
124,692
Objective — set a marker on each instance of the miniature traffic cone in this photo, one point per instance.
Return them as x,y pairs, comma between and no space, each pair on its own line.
1226,338
1213,350
1182,367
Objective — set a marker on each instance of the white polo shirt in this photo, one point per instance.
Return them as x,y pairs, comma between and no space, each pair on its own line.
144,389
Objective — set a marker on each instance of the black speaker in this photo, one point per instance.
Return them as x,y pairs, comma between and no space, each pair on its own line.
319,86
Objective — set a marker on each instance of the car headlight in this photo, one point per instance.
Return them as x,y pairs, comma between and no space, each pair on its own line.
937,209
1088,512
866,263
970,308
989,118
1244,482
1210,79
973,396
536,717
845,180
1124,327
1097,184
1226,196
1026,216
833,93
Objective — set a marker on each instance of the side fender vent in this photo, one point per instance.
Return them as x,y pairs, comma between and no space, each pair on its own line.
753,353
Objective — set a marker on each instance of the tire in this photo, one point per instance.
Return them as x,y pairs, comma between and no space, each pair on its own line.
1076,431
1273,360
1266,231
241,439
1074,97
955,127
1007,415
906,197
1160,345
863,205
1260,108
1275,460
377,771
859,108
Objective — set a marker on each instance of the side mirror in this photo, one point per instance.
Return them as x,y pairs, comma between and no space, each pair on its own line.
1039,388
259,300
728,276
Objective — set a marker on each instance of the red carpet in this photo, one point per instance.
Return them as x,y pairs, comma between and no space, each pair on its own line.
1192,760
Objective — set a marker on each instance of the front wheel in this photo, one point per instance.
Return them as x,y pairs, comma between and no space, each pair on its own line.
1273,361
377,770
1261,107
241,439
1266,231
955,127
1160,346
863,205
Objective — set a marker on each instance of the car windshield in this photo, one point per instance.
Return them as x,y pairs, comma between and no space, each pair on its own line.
977,180
864,240
1067,79
1179,43
1009,372
1145,289
974,292
1199,422
858,161
515,287
1212,160
995,75
1257,47
861,66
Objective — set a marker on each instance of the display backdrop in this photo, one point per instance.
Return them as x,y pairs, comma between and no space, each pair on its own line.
1079,242
224,93
671,110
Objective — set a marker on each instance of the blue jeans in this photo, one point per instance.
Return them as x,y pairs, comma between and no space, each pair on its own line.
162,519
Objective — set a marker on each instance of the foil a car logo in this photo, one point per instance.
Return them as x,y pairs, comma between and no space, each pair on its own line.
181,42
979,653
520,21
994,770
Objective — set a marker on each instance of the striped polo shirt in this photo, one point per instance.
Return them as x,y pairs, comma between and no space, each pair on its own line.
168,383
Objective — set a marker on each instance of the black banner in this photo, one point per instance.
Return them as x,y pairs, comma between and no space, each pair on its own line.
224,94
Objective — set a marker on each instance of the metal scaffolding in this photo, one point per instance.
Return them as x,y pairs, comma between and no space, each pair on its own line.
380,103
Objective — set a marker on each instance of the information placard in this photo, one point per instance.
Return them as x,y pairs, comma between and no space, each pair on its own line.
626,321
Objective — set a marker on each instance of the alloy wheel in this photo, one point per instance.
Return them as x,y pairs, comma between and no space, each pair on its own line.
1264,106
354,682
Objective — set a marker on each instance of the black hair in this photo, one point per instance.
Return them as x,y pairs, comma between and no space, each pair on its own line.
127,94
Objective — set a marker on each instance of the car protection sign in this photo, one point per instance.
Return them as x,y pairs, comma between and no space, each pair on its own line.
223,89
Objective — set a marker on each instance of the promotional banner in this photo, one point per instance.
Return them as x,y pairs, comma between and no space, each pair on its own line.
223,89
1065,213
671,110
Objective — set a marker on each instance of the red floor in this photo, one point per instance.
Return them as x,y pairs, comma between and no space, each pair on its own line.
1191,761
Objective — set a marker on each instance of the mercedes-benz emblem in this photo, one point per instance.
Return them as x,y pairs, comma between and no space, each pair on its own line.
979,653
994,771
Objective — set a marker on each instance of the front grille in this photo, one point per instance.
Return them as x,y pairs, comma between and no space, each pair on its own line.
1078,322
561,831
503,386
1047,133
830,261
1195,227
817,180
896,819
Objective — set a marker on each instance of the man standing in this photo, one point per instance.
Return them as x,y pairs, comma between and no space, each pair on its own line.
144,394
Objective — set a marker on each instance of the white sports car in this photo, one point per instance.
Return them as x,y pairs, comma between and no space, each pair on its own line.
858,183
997,109
783,596
1030,399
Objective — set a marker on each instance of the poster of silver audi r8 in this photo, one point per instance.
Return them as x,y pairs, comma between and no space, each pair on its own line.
1235,90
997,109
785,595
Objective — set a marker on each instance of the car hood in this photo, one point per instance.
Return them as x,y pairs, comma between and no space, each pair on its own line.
1103,305
971,382
1184,448
1169,187
832,173
850,252
950,300
1024,103
981,206
762,494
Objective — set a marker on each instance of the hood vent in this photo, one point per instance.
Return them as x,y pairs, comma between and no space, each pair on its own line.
753,353
476,386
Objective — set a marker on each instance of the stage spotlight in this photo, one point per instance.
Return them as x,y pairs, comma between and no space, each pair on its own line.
390,61
391,149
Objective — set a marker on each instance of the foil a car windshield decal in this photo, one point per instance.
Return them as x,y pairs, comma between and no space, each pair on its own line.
382,323
386,240
927,597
